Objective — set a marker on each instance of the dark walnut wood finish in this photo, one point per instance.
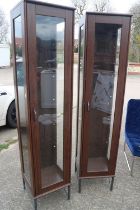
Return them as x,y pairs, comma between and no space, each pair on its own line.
35,60
104,63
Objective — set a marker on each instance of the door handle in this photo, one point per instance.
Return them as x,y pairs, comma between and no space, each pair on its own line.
88,106
35,114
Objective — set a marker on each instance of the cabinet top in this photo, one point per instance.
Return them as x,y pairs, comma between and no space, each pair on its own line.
88,13
43,2
108,14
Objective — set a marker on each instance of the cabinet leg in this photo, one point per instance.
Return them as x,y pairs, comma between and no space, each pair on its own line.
79,185
75,168
111,184
24,186
35,204
69,192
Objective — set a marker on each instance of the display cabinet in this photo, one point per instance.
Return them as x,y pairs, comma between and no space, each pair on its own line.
42,37
103,53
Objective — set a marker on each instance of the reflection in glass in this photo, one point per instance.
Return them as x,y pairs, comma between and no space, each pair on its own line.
50,71
21,95
105,74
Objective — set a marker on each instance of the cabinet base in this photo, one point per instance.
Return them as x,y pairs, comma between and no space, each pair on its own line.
80,183
35,198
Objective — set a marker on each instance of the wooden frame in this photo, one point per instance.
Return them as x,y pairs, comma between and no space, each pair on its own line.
89,23
28,11
19,11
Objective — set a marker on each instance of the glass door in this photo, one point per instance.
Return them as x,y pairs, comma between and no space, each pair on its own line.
103,95
50,70
21,97
50,33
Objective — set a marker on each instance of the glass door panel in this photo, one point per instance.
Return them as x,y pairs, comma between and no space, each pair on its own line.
22,106
104,84
50,83
80,94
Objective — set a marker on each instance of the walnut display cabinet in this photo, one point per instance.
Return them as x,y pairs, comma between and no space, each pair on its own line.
42,37
103,53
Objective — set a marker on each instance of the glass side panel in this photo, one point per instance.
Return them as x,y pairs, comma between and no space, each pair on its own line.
50,71
20,74
105,75
80,94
